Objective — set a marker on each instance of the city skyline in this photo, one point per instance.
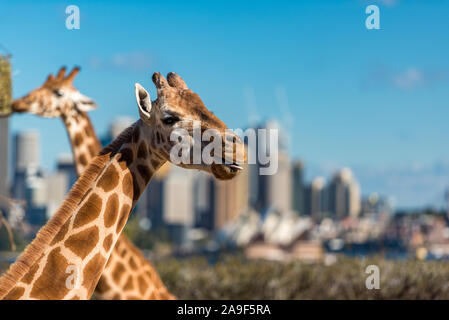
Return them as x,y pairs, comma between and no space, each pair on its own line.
368,99
310,175
284,191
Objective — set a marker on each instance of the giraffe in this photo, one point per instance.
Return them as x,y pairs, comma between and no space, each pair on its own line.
69,254
57,97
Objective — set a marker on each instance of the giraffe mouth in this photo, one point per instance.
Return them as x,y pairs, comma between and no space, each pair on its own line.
234,167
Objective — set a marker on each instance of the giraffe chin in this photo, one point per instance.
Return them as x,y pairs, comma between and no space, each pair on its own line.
224,172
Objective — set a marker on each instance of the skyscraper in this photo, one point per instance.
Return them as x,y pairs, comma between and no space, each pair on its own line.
447,202
115,128
315,202
57,185
26,161
29,183
179,215
298,188
204,195
344,195
4,137
151,202
67,167
27,149
230,198
273,191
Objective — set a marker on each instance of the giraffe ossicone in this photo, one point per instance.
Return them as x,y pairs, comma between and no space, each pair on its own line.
85,229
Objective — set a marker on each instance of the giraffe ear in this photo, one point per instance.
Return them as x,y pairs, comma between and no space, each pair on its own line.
143,101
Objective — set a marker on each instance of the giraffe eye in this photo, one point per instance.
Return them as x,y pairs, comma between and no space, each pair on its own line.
170,120
58,93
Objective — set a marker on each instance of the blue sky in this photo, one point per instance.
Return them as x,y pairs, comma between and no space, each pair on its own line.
374,100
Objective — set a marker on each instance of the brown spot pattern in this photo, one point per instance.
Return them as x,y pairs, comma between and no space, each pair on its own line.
83,242
136,134
107,243
83,160
109,180
102,286
92,150
129,285
112,207
123,217
132,263
127,185
116,297
29,276
143,285
61,233
89,211
78,139
92,273
118,272
48,285
145,172
127,156
142,152
136,188
15,293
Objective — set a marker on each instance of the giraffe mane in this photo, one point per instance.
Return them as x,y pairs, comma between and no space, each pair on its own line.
46,234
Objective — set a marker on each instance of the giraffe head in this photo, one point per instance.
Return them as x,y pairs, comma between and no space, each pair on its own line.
178,109
56,97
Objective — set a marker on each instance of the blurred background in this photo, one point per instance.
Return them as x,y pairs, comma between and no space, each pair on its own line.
362,115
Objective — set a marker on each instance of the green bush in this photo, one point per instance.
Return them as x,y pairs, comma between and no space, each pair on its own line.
237,278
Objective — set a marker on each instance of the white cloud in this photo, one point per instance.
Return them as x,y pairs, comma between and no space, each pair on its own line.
130,61
410,78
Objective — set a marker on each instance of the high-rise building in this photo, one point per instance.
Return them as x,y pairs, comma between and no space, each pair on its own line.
178,206
204,195
115,128
56,191
273,190
4,137
26,161
344,195
298,188
29,182
219,202
178,197
315,203
151,202
447,202
27,150
66,166
230,198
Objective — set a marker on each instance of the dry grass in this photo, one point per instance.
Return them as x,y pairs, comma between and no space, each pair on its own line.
235,278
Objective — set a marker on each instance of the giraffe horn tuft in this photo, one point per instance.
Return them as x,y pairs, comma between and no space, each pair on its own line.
72,74
61,74
176,81
50,80
159,81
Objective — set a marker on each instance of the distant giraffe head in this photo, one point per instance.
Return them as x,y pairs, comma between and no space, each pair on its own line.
177,108
56,97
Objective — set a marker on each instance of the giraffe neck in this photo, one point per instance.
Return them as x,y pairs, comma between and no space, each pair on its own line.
83,139
69,254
